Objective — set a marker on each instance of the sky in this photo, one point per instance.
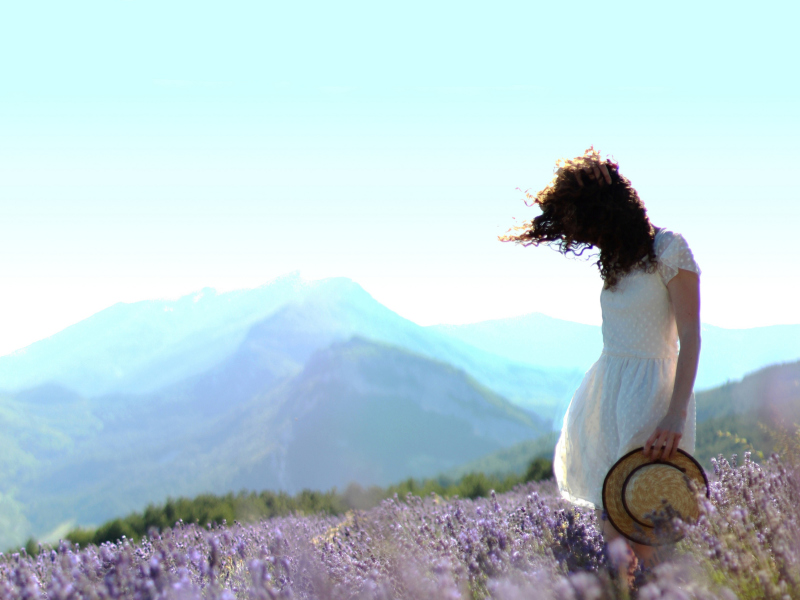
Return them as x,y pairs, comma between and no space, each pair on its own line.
149,149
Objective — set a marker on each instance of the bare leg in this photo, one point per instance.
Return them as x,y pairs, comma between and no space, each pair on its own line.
648,556
623,563
651,556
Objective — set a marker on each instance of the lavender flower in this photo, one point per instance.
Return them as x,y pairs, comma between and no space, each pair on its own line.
521,544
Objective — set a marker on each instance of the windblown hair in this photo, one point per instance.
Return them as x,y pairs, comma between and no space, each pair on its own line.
578,213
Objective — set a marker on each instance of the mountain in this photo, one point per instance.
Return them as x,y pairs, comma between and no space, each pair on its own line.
533,360
533,339
142,346
367,412
730,354
149,346
138,441
741,415
771,394
38,427
544,342
357,411
340,309
513,459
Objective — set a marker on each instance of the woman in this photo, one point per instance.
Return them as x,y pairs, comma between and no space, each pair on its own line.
639,393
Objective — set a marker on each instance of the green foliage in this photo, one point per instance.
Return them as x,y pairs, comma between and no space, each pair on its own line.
731,434
32,547
252,506
115,530
82,537
539,469
786,442
475,485
207,508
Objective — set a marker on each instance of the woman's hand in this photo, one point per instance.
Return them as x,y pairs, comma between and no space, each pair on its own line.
597,172
591,165
665,439
594,167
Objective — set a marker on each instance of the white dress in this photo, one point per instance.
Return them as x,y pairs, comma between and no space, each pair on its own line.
627,391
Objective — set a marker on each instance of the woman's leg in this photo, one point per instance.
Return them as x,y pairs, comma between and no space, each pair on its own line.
624,562
648,556
651,556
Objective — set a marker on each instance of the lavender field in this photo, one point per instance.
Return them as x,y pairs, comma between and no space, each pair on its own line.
526,543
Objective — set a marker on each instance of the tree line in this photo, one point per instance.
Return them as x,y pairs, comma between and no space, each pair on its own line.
255,506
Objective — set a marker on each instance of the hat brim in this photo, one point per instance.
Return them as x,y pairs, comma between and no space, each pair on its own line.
614,501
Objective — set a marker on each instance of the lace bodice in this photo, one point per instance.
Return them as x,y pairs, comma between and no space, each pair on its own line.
638,319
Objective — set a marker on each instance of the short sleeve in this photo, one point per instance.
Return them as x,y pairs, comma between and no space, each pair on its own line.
673,253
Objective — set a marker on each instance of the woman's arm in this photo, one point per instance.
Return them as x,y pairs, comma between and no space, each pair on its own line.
684,293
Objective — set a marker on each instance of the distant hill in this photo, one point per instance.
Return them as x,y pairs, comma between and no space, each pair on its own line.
769,397
511,460
366,412
181,394
149,346
38,427
545,342
357,411
534,339
533,360
730,354
143,346
771,394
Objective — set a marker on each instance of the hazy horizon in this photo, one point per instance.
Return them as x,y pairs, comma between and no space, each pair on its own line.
153,149
299,275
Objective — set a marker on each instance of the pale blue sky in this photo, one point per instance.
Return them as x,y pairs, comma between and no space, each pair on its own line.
148,149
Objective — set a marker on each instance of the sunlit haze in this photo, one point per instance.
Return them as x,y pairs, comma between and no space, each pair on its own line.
150,149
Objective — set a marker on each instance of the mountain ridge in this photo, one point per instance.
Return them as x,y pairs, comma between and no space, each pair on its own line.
358,411
104,352
146,345
318,312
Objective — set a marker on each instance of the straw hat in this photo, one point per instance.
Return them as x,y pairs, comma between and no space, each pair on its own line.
636,486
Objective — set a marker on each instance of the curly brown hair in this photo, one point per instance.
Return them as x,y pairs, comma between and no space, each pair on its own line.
580,212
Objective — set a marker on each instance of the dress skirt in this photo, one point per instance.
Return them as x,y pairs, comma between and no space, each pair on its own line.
616,408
